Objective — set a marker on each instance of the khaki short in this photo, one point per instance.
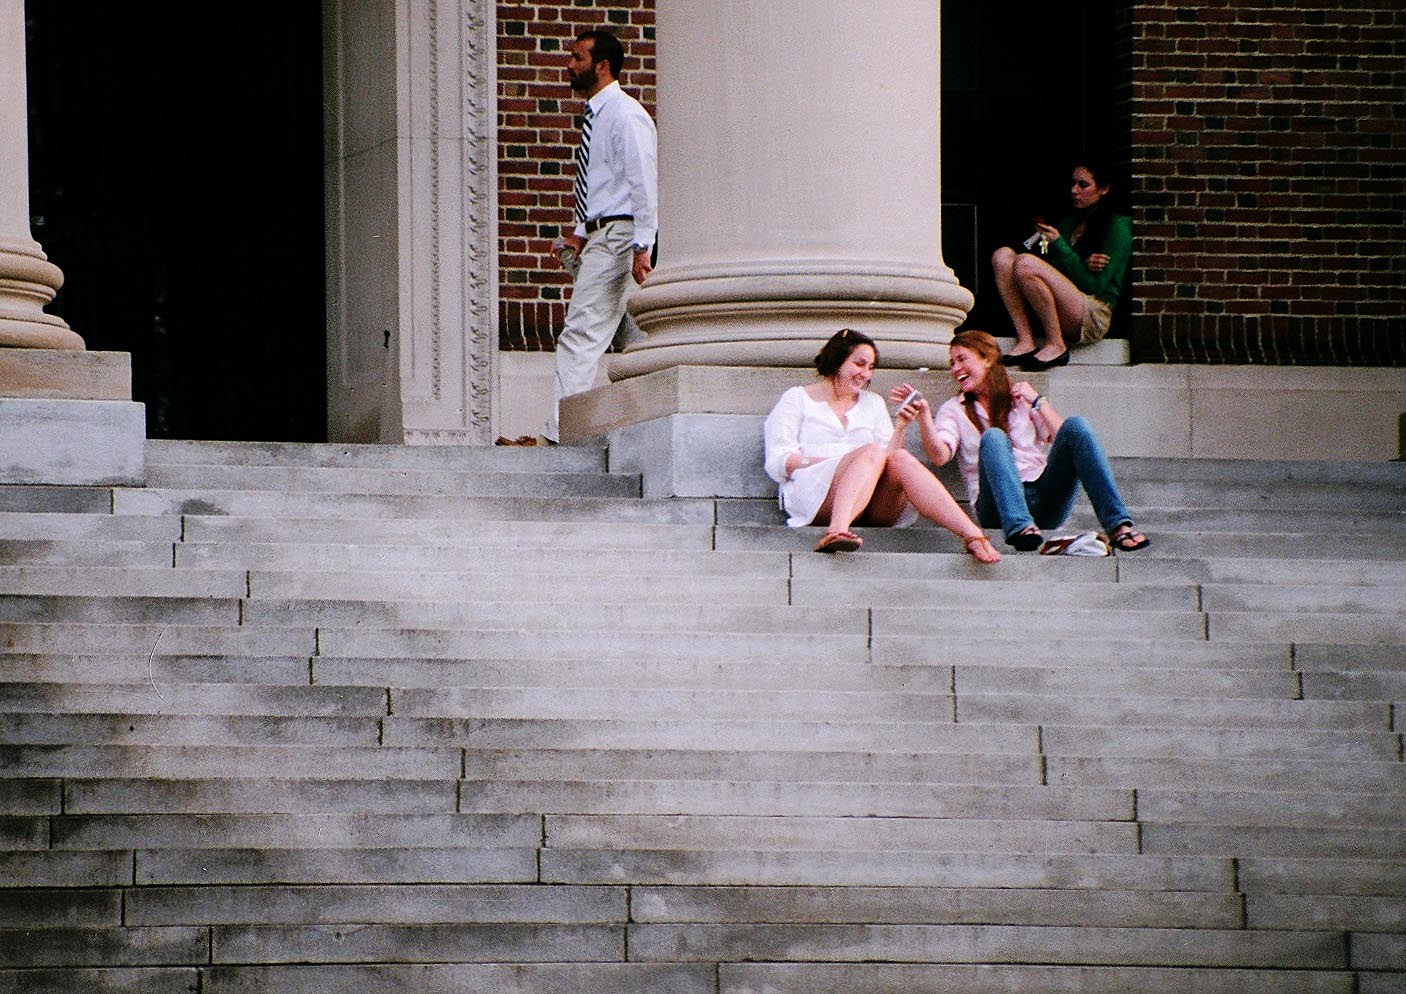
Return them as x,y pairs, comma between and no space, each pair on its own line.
1097,317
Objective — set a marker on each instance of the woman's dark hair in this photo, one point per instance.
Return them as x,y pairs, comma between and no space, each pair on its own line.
998,381
1097,218
834,353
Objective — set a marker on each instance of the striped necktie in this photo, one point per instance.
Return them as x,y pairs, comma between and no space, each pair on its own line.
583,159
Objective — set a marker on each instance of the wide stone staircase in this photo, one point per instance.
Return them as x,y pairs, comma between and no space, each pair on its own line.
327,718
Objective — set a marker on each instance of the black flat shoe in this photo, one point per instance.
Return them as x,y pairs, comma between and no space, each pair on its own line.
1026,541
1017,359
1034,365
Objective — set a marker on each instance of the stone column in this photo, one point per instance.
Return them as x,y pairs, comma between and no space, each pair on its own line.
412,336
28,280
799,184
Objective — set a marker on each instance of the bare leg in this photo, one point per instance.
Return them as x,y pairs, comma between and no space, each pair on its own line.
906,480
1003,262
851,488
1058,303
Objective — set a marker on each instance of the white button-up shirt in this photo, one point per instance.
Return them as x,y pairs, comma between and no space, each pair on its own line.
622,176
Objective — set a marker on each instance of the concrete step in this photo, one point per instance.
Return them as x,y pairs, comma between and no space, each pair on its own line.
1355,686
370,904
1174,711
453,587
527,506
123,581
491,561
1109,652
294,831
125,728
380,978
1282,598
640,702
982,943
88,527
879,866
552,616
1207,743
684,831
216,761
340,455
739,765
1098,681
1305,572
1305,808
1358,877
931,906
314,480
1235,773
897,591
626,674
946,978
265,794
110,553
656,646
1184,544
166,639
163,669
1155,519
1266,841
55,499
828,799
209,699
245,944
135,610
470,533
748,734
1291,626
453,860
1285,475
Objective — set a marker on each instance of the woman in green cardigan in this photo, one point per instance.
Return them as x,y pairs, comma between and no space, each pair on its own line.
1072,282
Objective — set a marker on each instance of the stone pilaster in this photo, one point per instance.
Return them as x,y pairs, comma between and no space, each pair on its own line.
411,229
28,280
799,185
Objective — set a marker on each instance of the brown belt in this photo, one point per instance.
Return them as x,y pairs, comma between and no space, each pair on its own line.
595,225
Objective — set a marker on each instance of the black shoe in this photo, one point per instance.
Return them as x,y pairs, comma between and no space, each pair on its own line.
1017,359
1026,541
1034,365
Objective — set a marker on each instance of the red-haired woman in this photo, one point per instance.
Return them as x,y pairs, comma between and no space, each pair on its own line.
1021,461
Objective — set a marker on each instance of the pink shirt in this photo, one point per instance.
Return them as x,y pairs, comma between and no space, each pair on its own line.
956,431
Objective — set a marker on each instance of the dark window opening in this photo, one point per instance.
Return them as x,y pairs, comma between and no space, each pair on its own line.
176,179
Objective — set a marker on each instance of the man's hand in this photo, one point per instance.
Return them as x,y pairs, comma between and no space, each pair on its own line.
576,242
641,268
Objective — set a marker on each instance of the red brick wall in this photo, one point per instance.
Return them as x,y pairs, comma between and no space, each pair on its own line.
1268,163
538,122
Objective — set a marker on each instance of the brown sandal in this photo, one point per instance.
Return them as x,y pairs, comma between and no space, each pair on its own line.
974,541
839,542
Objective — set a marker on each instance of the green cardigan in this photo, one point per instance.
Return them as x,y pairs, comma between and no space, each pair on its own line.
1106,285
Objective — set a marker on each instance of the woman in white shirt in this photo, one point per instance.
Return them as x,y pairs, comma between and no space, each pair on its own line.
833,449
1022,462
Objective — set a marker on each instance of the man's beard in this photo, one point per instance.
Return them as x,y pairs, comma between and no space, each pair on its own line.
581,81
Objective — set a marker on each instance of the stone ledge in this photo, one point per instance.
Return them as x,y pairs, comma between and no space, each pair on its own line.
67,375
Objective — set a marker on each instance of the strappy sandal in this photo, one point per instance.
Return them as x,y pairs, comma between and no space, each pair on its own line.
1129,539
839,542
973,542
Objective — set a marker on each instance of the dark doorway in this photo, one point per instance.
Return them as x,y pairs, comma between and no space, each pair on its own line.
176,178
1027,89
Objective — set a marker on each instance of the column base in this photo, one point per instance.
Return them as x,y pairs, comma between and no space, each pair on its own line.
72,442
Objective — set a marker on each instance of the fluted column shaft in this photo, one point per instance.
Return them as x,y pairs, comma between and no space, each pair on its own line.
799,185
28,280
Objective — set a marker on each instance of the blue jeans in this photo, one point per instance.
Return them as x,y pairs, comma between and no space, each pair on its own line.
1004,501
